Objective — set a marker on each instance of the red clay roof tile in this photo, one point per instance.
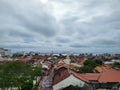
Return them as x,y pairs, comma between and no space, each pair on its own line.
111,75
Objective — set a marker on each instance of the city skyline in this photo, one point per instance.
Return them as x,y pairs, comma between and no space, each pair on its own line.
83,26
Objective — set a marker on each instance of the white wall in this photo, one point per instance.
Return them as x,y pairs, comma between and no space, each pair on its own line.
71,80
44,66
5,52
112,61
115,60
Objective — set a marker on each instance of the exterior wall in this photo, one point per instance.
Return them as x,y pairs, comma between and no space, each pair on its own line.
60,75
67,61
5,52
71,80
108,62
115,60
8,52
75,64
44,66
2,52
111,62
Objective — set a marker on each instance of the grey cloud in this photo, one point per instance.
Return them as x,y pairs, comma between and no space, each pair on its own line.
107,42
59,45
20,34
78,46
25,24
40,24
93,23
34,20
63,40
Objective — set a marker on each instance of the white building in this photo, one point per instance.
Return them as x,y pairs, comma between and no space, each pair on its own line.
67,60
112,61
71,80
5,52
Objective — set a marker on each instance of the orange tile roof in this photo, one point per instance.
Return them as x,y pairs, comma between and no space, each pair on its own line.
40,60
77,75
24,60
81,62
61,61
47,63
111,75
72,66
91,76
102,68
60,65
98,69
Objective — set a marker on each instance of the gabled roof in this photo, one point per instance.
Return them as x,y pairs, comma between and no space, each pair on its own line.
61,61
102,68
60,65
111,75
91,76
81,62
24,60
77,75
47,63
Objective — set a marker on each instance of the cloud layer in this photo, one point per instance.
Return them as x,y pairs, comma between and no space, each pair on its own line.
61,25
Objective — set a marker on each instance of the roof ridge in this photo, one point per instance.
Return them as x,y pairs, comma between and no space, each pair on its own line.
104,72
73,73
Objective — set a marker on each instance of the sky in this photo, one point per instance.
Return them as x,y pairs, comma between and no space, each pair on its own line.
90,26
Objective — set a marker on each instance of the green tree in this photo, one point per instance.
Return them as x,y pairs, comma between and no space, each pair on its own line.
86,69
27,85
16,55
98,62
13,74
89,65
37,71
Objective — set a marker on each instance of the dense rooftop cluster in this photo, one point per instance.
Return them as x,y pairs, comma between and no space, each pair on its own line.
68,70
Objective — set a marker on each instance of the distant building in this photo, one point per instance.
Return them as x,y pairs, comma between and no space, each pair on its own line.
112,61
67,60
5,52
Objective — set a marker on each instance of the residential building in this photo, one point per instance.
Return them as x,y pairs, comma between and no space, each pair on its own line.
64,77
5,52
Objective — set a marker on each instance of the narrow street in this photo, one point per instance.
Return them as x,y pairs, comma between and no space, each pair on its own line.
46,81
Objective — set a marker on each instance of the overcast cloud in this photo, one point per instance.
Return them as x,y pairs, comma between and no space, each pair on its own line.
61,25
